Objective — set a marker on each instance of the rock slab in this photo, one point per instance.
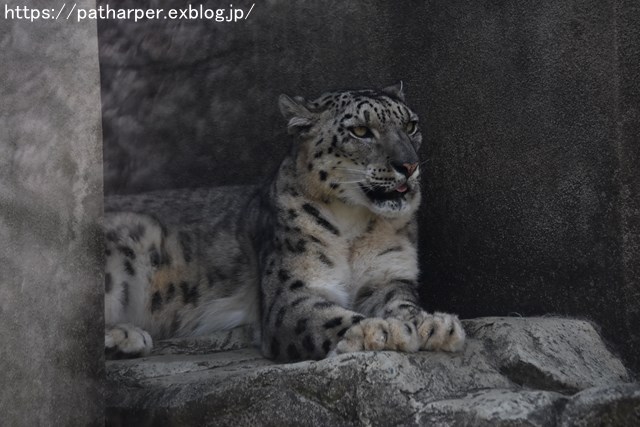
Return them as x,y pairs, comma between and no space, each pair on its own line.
513,371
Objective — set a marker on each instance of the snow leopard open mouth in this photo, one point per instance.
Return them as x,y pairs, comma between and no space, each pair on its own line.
378,194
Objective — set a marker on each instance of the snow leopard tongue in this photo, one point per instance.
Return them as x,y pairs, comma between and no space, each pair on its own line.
402,188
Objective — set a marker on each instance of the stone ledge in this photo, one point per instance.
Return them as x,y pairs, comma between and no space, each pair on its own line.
513,371
232,339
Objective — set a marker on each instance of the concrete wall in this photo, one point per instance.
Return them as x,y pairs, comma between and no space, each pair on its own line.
532,194
191,102
530,110
51,321
628,150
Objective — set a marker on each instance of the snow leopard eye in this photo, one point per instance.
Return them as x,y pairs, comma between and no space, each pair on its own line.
361,132
411,127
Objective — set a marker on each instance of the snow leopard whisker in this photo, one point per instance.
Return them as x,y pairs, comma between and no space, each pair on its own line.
358,181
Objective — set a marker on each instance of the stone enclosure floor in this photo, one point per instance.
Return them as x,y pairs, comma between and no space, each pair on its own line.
513,371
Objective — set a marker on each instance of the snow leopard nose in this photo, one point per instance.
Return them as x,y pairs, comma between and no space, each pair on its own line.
407,169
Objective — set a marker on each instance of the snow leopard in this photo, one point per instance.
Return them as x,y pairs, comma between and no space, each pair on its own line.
321,259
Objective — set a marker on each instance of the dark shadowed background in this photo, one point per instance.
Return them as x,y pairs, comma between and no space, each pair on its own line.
530,112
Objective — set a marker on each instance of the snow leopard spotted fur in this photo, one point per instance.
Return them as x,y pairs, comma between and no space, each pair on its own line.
321,259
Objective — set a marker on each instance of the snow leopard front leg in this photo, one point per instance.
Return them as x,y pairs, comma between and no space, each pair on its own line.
386,269
398,300
298,324
303,312
310,308
303,317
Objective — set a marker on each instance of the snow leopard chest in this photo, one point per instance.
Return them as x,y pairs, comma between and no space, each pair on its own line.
364,250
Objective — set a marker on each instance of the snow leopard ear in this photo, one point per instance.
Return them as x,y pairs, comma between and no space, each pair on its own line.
297,113
395,91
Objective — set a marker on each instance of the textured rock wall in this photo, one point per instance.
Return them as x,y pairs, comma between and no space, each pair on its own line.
193,102
533,186
530,111
51,346
628,149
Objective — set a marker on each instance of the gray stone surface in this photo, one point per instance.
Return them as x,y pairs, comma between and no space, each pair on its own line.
477,387
234,339
51,345
617,405
549,353
497,407
530,113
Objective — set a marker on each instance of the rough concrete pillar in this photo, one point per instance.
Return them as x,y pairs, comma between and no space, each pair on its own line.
51,363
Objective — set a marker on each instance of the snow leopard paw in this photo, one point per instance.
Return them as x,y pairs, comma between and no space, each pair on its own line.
440,332
376,334
126,341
